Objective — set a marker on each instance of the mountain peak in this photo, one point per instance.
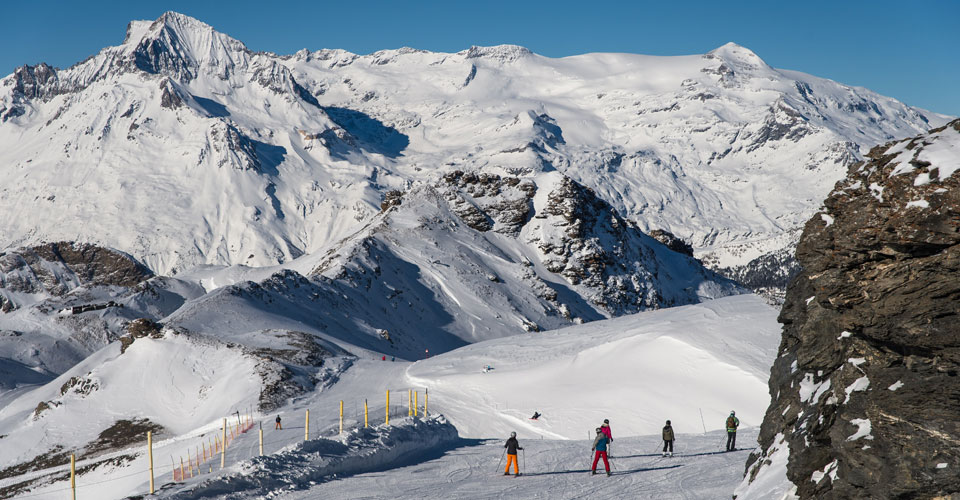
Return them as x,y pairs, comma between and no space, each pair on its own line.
737,54
176,45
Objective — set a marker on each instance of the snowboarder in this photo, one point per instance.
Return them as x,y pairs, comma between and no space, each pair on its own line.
512,446
607,432
535,416
667,439
600,445
278,426
732,423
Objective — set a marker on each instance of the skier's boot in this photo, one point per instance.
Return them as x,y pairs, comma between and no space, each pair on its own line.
608,473
663,454
593,473
671,453
506,473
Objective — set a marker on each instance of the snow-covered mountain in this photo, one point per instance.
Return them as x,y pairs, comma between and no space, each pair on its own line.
182,147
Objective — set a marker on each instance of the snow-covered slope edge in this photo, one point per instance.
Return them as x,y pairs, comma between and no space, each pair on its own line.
637,371
303,465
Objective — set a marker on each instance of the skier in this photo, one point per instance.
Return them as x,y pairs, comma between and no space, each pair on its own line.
278,426
512,446
732,423
600,445
384,358
535,416
607,432
667,439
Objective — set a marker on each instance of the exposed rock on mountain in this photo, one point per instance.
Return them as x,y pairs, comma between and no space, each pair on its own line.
57,268
866,384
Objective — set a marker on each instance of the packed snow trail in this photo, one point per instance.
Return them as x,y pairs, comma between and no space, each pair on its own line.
550,470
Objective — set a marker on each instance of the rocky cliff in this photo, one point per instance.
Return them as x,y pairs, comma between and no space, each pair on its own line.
865,388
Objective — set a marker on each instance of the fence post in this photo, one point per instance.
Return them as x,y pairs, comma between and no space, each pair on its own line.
182,475
426,400
73,475
388,407
306,428
150,454
416,404
261,439
365,419
223,446
341,416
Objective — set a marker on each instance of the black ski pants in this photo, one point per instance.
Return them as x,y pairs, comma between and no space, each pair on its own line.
731,440
668,444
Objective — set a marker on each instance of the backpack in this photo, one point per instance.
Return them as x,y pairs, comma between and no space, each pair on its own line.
731,422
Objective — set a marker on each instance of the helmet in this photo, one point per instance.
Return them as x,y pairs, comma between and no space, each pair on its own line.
513,434
606,420
598,430
668,422
733,412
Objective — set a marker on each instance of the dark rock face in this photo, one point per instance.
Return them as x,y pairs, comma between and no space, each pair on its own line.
57,268
671,241
488,201
866,388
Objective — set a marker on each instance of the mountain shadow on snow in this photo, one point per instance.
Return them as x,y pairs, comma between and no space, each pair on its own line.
371,134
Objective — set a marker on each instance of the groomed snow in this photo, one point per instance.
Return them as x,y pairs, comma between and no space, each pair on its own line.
637,371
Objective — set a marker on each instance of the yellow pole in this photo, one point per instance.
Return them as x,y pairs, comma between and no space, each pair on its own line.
416,404
204,450
365,419
388,407
426,400
174,464
182,474
341,416
190,464
306,428
261,440
223,448
150,454
73,475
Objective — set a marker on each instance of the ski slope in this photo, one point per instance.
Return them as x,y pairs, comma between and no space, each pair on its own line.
710,357
636,370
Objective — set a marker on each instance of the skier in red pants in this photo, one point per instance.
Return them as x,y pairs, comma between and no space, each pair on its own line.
600,445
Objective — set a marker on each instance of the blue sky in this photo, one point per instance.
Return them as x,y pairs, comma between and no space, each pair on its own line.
907,50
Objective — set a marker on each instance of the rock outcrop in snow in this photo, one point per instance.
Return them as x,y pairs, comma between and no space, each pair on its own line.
865,386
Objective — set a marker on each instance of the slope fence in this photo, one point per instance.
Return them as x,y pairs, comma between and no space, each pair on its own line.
229,445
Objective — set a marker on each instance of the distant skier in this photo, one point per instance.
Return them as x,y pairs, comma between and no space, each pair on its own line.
278,426
600,445
732,423
512,446
384,358
667,439
535,416
607,432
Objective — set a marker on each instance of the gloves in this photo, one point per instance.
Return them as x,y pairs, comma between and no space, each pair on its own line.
519,448
592,449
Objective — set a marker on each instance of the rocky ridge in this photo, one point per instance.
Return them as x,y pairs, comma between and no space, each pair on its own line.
866,383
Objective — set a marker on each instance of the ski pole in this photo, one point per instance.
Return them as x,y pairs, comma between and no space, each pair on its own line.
501,458
523,455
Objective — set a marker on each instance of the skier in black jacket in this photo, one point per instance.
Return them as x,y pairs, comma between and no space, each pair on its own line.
512,446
